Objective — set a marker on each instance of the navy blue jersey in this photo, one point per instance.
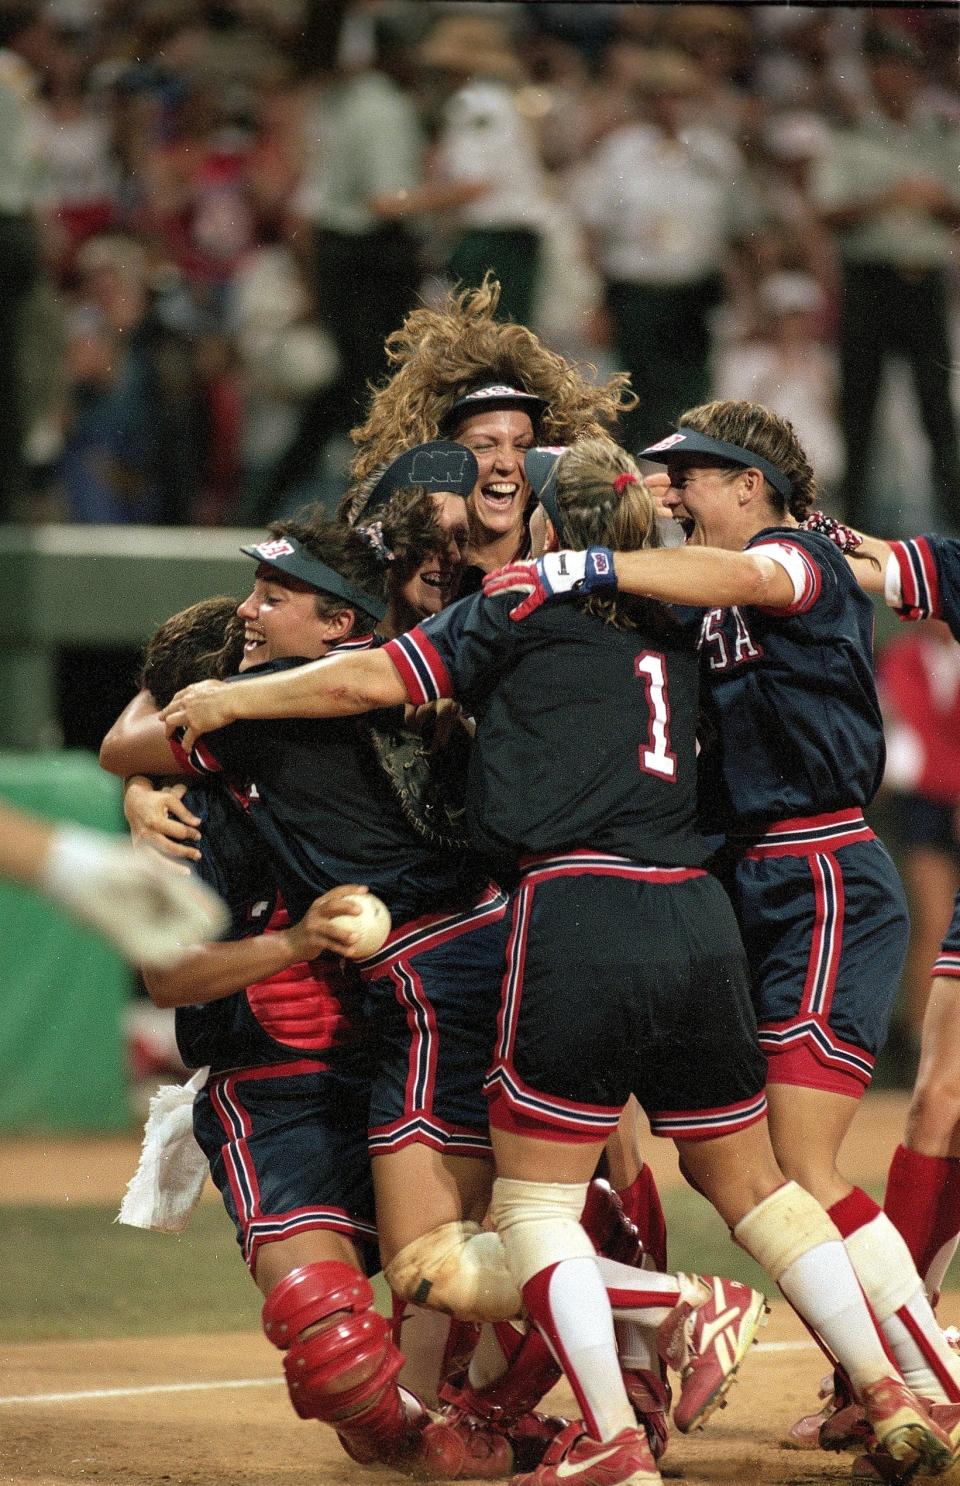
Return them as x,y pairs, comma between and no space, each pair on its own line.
585,733
793,722
328,814
930,579
301,1010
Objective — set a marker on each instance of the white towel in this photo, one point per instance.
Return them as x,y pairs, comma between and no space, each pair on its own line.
166,1186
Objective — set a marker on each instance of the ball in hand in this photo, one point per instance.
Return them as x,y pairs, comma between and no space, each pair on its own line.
371,926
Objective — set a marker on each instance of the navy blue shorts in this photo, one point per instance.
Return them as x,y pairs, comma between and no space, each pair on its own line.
624,979
432,996
287,1146
824,919
948,960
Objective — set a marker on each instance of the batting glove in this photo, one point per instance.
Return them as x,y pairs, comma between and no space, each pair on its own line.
552,576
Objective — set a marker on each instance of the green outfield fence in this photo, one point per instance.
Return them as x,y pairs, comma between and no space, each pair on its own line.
62,992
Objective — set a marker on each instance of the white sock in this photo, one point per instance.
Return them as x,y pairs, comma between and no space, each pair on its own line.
645,1295
487,1362
582,1320
822,1287
637,1345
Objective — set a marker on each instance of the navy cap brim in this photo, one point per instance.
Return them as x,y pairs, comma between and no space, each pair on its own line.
288,556
688,441
493,395
439,465
540,465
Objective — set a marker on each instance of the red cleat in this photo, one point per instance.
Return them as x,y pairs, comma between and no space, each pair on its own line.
574,1456
650,1397
707,1345
455,1447
903,1428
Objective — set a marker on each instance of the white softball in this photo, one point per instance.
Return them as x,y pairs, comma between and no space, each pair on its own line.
371,925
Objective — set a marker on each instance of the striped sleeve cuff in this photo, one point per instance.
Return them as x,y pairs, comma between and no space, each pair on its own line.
919,596
800,568
420,668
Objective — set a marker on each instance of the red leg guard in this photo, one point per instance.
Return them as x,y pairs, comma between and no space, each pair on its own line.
642,1206
344,1371
608,1227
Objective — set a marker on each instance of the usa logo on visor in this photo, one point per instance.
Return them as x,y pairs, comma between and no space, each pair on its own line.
667,443
278,548
601,563
503,391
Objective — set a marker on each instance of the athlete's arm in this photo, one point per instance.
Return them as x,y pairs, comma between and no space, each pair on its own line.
209,972
339,686
129,896
705,577
137,743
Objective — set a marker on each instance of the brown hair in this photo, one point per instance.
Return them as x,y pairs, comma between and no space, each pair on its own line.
441,353
200,642
342,549
752,426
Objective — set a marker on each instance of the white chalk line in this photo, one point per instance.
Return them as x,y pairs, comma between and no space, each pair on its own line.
228,1383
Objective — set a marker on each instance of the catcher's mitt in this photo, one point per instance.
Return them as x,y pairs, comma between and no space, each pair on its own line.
429,787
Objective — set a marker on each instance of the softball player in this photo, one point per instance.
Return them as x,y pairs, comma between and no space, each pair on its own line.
557,1084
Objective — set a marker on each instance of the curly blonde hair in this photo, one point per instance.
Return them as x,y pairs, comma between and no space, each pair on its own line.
441,353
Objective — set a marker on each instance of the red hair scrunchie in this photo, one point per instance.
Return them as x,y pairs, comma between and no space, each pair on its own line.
622,481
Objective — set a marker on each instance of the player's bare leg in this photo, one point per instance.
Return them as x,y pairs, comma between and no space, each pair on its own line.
791,1236
807,1128
923,1185
570,1290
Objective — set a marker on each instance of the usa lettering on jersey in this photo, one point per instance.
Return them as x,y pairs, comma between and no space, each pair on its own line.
716,643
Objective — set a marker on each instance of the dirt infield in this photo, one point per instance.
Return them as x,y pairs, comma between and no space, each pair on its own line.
211,1411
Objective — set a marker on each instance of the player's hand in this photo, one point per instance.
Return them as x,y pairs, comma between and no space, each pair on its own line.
434,721
315,933
198,709
149,913
552,576
158,818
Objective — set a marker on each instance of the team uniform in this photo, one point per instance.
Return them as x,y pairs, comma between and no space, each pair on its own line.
928,570
624,969
282,1118
796,753
329,815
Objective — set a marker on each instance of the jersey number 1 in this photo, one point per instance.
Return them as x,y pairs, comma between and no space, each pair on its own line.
656,756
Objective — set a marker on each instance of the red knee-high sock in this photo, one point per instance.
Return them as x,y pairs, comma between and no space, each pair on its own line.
641,1203
923,1202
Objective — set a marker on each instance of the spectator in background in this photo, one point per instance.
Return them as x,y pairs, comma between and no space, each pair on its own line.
888,186
25,37
488,173
788,367
364,163
666,203
919,683
75,145
132,450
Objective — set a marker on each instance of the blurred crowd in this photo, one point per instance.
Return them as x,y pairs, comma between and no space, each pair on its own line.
213,212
